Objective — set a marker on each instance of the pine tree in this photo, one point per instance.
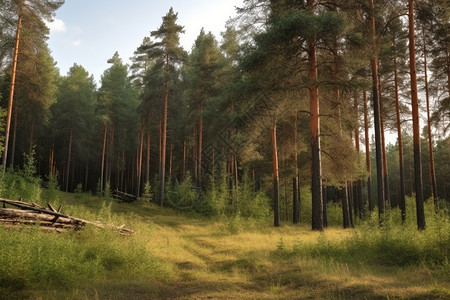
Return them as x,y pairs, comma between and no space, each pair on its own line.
203,70
169,54
73,119
30,18
416,126
118,100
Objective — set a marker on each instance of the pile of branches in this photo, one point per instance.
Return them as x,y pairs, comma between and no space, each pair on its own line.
47,218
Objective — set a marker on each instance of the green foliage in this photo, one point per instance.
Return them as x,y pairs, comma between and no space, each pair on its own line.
107,192
147,194
22,184
393,244
78,189
52,186
36,260
218,195
182,195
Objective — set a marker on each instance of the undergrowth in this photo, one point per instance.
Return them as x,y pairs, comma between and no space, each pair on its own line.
33,261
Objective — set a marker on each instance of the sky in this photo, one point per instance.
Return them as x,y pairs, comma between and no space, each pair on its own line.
89,32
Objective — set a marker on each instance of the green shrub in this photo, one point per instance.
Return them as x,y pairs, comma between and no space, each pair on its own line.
182,195
147,195
32,259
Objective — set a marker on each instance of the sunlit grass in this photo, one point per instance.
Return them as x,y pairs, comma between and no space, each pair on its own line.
172,255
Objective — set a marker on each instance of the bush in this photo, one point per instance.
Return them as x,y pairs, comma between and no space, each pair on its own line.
23,184
31,259
182,195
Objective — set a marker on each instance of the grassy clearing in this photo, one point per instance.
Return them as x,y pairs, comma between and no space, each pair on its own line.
172,255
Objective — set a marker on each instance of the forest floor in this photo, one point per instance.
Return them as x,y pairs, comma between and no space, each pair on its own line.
176,256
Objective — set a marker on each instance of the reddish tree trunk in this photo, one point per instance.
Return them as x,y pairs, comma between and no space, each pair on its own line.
416,121
316,167
376,112
164,138
276,184
11,91
402,200
432,172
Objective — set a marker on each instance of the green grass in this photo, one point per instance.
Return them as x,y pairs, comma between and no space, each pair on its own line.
174,255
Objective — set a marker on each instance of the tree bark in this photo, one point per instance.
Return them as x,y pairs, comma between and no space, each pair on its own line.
367,145
432,172
103,160
376,112
30,146
416,122
13,150
359,203
164,138
402,200
68,161
147,163
387,198
276,184
11,90
295,185
200,148
316,167
139,166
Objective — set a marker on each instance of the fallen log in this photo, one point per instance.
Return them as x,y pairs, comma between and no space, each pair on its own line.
125,197
32,213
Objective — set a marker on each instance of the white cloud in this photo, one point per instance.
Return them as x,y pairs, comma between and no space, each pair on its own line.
57,26
76,43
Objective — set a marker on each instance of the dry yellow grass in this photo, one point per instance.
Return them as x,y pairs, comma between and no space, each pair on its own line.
208,263
204,259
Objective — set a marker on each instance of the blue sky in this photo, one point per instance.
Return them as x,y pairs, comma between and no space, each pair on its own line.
89,32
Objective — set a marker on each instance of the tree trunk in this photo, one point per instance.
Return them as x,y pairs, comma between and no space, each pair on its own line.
11,90
51,159
402,200
276,184
103,160
147,163
359,203
432,172
86,175
68,161
416,122
139,166
170,160
376,112
13,150
164,138
325,201
387,198
183,173
316,167
30,146
295,188
367,145
200,148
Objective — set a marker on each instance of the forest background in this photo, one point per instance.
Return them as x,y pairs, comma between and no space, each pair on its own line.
177,125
